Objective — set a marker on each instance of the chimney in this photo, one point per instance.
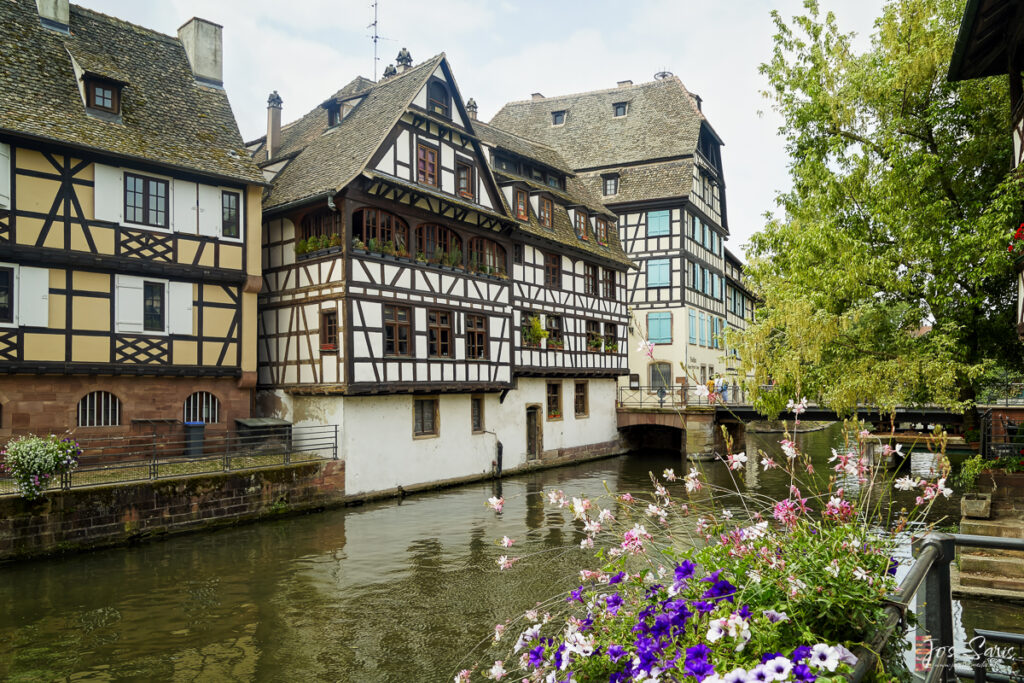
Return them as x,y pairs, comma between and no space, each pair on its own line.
471,108
389,71
623,84
273,124
536,96
404,61
53,14
204,47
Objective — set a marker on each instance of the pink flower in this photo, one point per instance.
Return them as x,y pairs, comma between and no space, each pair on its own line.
496,503
506,542
505,562
736,461
633,540
646,347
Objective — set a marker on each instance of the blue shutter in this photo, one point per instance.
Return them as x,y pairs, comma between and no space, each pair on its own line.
693,326
703,331
658,273
659,328
658,223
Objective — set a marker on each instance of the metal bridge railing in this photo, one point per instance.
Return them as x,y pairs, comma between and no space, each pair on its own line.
934,553
135,457
676,396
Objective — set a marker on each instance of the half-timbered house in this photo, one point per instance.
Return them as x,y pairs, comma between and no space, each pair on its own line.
648,152
129,226
388,306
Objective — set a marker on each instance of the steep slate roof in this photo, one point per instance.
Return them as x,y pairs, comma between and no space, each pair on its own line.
166,116
644,183
662,120
522,147
327,160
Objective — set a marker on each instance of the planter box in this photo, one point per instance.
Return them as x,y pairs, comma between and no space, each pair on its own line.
976,505
1007,486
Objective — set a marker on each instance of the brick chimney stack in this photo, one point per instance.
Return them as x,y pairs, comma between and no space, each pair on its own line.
273,124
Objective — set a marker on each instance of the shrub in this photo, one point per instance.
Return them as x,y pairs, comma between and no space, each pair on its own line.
34,461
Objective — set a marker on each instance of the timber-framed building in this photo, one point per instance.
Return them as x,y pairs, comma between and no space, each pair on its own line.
129,227
443,312
648,153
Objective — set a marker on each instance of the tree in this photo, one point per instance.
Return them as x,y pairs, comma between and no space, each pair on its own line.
901,207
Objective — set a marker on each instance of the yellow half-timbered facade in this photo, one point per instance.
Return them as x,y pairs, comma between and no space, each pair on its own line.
130,223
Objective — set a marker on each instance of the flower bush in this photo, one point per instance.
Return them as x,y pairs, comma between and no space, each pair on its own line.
784,590
34,461
1018,235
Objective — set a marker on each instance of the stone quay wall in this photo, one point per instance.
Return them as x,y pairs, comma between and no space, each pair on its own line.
122,514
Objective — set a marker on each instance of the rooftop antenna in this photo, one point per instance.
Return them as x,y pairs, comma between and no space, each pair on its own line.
376,37
662,75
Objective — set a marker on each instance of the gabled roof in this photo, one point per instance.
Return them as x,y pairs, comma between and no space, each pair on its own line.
328,160
663,121
646,182
523,147
167,118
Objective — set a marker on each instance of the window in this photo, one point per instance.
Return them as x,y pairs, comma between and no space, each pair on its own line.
229,214
552,271
660,375
99,409
333,114
464,180
426,165
546,207
554,400
602,230
103,95
522,212
434,242
581,406
145,200
201,406
476,413
526,330
610,185
620,108
695,230
517,253
693,326
711,334
324,224
328,331
397,330
608,280
154,295
659,328
425,417
581,224
439,334
553,324
371,224
658,272
590,279
658,223
476,337
611,337
438,100
555,181
695,276
703,331
486,256
593,335
557,118
6,295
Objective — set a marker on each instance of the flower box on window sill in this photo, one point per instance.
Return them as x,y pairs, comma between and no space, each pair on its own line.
555,346
611,348
328,348
557,415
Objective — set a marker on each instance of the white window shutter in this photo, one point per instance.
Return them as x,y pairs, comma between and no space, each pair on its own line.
108,193
209,211
185,215
179,308
5,175
129,303
34,297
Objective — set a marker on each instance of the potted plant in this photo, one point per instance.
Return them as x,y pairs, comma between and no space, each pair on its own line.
328,347
594,344
533,332
611,347
372,246
35,462
554,414
334,242
388,248
455,257
437,257
555,344
358,244
421,257
301,247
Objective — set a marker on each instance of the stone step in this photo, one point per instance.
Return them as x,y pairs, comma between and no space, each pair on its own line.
992,582
1003,528
1006,567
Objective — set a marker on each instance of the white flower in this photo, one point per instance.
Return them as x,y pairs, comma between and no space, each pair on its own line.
823,657
526,637
779,668
905,484
737,460
726,514
591,526
605,516
497,671
797,407
506,542
587,543
861,575
495,503
716,630
789,448
693,480
754,576
833,568
734,676
669,475
941,486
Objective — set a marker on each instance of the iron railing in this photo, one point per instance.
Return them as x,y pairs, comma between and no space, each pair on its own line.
1001,436
675,397
135,457
931,568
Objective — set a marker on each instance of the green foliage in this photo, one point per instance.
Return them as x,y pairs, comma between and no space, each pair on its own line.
967,477
34,462
301,247
533,331
897,218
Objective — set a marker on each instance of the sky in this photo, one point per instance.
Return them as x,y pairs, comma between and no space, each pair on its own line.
504,50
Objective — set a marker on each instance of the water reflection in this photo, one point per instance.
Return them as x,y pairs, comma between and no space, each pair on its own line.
394,591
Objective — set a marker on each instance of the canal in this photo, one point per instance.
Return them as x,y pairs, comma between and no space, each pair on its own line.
391,591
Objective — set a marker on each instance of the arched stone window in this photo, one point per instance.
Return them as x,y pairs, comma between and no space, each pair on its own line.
202,406
432,238
99,409
381,226
486,256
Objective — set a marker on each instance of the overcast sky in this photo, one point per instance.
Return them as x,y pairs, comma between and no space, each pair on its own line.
502,50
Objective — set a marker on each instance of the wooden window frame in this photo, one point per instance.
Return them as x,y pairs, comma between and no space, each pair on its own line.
11,295
427,235
443,345
463,168
397,232
477,423
602,231
92,85
396,326
147,287
593,332
434,104
546,214
581,225
423,175
329,330
419,430
611,334
485,250
584,395
477,341
608,284
590,280
228,228
147,197
552,271
610,186
320,224
553,408
522,204
555,339
518,253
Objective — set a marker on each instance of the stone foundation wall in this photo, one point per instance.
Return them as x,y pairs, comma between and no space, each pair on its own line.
117,515
586,452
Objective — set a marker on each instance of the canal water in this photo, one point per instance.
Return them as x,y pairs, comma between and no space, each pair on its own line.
392,591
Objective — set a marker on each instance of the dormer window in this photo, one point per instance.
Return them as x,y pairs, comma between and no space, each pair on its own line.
558,118
103,95
610,185
620,109
581,225
438,100
521,210
333,115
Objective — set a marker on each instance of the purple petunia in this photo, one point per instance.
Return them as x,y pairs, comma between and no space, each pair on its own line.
616,652
802,673
721,590
702,606
613,602
800,653
616,578
685,570
575,595
537,656
769,656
